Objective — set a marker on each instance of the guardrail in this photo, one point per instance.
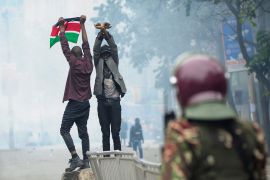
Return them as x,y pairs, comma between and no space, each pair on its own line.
119,165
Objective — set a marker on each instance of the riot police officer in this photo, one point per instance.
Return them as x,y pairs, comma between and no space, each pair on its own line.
209,141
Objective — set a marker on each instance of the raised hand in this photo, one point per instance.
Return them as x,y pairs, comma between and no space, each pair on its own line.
103,26
61,21
99,26
107,25
82,19
84,35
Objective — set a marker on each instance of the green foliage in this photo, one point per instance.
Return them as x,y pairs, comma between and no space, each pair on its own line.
157,30
260,63
243,9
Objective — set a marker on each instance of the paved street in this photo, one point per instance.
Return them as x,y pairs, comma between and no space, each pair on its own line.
46,163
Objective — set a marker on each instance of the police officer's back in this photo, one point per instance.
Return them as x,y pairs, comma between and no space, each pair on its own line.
209,142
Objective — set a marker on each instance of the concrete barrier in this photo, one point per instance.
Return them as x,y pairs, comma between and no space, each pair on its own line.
119,165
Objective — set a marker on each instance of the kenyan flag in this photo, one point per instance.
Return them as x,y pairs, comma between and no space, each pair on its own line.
72,31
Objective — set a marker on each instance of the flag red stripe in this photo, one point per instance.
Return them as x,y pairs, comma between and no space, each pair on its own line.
70,27
55,31
73,27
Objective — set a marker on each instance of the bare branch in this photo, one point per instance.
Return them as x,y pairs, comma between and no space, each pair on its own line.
263,8
259,4
232,9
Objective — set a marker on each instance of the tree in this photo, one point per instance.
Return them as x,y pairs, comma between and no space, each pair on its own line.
260,65
150,30
247,10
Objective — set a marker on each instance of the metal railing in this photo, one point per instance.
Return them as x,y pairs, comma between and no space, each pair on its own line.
119,165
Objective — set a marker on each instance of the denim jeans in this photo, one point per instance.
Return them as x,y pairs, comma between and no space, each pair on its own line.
138,144
109,114
78,113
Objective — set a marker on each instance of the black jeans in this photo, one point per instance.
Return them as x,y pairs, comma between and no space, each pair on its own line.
109,114
76,112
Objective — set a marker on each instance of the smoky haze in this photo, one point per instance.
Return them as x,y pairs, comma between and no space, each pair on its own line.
150,36
33,76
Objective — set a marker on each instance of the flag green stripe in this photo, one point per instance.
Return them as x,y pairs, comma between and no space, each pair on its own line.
54,40
71,37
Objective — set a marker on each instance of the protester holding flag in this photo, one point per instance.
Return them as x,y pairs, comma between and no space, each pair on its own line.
77,92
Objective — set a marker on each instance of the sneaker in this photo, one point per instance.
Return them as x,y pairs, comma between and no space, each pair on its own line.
85,164
74,163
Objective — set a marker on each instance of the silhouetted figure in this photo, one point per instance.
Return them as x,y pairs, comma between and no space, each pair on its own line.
123,132
136,137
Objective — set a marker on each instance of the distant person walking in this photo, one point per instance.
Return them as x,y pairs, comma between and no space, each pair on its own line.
123,132
77,93
136,137
109,87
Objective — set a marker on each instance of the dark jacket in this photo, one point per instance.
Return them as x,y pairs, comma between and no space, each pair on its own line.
136,133
112,63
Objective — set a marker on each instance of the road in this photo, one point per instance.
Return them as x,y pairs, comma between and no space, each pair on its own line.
47,163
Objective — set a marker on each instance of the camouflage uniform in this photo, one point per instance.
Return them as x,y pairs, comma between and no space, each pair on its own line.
189,152
210,143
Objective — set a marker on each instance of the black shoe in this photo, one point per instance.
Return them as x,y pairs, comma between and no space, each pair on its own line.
74,163
85,164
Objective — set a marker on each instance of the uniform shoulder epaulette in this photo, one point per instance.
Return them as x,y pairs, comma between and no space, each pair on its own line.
184,131
250,126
